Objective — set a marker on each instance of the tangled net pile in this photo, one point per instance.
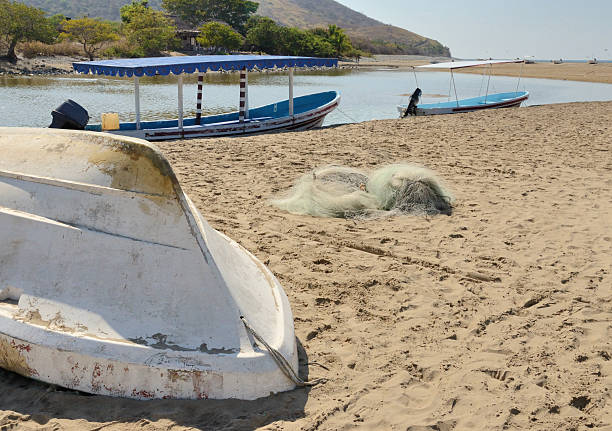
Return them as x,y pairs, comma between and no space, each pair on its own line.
339,191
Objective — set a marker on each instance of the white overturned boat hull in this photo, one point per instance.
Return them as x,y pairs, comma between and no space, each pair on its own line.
112,283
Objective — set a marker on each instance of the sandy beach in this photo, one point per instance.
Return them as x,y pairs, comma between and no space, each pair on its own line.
496,317
585,72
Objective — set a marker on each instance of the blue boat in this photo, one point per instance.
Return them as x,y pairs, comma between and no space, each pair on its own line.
295,113
488,101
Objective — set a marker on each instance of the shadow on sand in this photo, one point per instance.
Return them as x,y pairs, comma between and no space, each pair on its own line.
43,403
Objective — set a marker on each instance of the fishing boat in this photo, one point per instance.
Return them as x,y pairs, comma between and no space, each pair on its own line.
112,282
295,113
486,101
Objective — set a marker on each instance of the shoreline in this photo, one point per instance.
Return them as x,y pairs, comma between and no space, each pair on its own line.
60,65
581,72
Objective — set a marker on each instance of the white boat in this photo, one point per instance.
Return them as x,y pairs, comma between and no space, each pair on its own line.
295,113
112,283
486,101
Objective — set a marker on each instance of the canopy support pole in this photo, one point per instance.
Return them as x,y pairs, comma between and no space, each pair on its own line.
487,94
244,95
180,102
291,91
455,87
519,80
137,101
199,102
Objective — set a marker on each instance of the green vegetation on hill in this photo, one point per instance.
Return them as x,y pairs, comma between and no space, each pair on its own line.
366,33
107,9
144,31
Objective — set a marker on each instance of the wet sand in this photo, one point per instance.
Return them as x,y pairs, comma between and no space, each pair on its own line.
497,317
601,72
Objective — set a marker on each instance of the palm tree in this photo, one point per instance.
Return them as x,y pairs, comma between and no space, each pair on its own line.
339,40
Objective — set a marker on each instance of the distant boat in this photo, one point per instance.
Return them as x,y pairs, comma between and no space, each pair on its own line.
488,101
593,61
560,61
299,113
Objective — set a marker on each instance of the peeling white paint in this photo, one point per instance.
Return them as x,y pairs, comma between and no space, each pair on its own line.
122,287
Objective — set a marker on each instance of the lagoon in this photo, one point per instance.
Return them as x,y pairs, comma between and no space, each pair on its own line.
366,94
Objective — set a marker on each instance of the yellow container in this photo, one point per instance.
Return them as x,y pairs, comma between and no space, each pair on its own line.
110,121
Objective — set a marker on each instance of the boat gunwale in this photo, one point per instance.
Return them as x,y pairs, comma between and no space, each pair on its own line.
96,127
493,96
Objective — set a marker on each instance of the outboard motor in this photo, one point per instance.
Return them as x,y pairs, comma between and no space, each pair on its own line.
414,101
69,115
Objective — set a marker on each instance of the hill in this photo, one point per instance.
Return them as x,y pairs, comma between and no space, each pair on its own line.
365,32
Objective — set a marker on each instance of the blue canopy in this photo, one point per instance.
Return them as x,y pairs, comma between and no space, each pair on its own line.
199,63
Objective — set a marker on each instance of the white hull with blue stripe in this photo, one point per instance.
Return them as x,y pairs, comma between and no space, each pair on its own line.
309,113
491,101
488,101
295,113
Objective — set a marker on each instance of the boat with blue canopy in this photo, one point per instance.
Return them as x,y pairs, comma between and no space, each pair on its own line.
294,113
486,101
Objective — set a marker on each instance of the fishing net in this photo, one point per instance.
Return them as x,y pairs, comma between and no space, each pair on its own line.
339,191
410,189
331,191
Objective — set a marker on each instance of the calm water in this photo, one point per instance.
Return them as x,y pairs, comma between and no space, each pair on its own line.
366,95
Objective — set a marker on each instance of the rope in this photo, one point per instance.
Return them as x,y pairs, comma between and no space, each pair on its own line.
346,115
280,360
415,76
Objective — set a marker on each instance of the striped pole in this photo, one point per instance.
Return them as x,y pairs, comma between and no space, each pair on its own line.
199,103
243,113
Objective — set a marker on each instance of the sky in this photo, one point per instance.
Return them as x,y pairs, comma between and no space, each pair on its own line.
545,29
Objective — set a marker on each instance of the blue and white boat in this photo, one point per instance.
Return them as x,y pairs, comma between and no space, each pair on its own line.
487,101
294,113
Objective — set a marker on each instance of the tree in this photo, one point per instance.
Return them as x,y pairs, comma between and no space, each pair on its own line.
137,7
56,22
233,12
89,32
149,30
19,23
218,35
294,41
263,34
339,40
